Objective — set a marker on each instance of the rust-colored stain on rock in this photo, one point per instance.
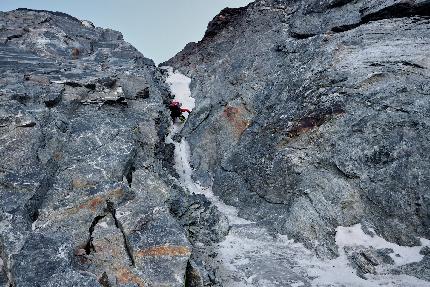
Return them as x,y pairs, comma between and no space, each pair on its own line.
94,203
124,276
164,250
235,117
314,120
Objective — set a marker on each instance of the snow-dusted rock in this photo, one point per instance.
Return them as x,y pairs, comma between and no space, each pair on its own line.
87,24
314,114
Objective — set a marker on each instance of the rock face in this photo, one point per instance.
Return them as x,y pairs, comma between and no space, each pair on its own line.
315,114
86,197
312,118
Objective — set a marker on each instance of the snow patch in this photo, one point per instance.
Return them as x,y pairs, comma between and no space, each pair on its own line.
58,82
180,87
355,236
338,271
119,91
33,225
87,24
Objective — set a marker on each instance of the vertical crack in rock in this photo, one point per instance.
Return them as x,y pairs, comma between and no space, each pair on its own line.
89,247
207,116
129,175
51,170
130,167
35,202
112,210
104,280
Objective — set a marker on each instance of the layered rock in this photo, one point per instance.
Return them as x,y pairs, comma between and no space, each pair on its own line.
86,196
310,115
315,114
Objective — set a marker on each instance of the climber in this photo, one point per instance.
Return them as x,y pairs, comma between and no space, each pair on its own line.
176,111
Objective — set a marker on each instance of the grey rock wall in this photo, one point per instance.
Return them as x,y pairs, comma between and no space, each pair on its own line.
315,114
309,115
86,189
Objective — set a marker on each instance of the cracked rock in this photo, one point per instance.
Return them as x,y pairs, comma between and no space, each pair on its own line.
82,164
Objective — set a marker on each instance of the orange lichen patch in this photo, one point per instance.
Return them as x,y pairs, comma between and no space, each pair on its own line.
164,250
95,202
236,117
124,276
91,204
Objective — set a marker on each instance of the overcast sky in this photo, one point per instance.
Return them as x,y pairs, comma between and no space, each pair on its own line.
158,28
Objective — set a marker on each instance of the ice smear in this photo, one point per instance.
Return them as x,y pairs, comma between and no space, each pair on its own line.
355,236
339,271
182,165
180,87
250,256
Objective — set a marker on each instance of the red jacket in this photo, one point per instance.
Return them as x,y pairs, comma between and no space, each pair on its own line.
175,105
